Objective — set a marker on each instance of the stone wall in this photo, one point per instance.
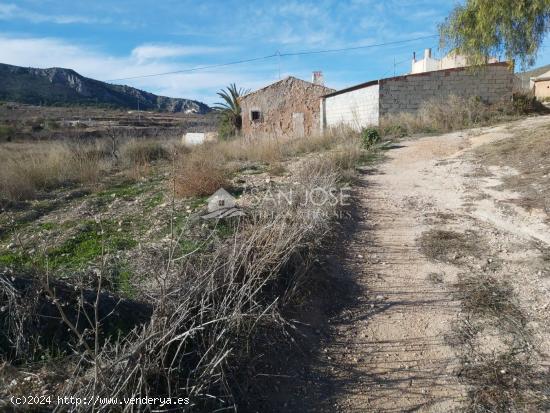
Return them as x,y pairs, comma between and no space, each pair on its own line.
491,83
356,108
287,108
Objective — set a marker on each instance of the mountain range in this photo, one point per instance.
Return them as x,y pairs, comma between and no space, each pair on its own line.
64,87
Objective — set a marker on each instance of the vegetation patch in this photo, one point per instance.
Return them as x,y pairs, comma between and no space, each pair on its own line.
126,191
449,246
507,380
484,295
505,383
92,240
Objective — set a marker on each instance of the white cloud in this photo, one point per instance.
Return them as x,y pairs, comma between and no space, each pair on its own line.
10,11
51,52
153,51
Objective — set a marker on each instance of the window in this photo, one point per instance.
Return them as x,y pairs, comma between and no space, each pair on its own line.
255,115
221,202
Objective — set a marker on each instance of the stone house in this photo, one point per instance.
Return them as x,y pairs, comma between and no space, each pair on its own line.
286,108
364,104
541,86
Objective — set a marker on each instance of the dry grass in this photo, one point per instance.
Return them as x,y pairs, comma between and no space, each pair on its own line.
272,150
452,113
206,168
27,168
484,295
141,151
505,383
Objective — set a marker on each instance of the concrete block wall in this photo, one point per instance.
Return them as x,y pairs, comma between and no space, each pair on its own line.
490,83
357,108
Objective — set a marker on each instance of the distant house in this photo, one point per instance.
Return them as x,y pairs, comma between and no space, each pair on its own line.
541,85
450,61
197,138
289,107
365,104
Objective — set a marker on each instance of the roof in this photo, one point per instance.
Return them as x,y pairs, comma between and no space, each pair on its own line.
352,88
539,71
543,76
286,79
220,193
376,82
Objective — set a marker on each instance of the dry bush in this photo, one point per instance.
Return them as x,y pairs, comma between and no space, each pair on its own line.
200,172
26,169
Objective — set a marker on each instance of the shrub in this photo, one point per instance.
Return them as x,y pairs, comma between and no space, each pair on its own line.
200,173
226,127
370,136
7,133
525,103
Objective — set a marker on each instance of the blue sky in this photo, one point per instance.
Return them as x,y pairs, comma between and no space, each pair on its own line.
118,39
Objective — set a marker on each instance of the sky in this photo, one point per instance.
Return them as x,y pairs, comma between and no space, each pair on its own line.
109,40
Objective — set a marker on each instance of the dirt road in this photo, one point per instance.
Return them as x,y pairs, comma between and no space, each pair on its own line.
433,223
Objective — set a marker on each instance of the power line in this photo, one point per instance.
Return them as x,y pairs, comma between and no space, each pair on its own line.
343,49
277,54
195,68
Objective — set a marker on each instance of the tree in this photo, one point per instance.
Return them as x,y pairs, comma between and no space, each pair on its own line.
231,121
483,28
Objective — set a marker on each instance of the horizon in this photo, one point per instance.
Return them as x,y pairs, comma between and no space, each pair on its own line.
104,42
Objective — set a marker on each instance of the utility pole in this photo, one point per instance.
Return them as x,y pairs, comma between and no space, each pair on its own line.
279,60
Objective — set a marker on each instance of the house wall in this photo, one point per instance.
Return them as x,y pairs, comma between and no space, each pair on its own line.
425,65
289,108
357,108
407,93
542,89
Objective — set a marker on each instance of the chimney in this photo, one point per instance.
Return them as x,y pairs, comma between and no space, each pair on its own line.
318,78
427,53
414,57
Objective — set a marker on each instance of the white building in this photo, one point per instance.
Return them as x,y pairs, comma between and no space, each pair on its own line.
430,64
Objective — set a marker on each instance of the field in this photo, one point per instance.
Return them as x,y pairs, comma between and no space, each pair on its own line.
27,122
103,253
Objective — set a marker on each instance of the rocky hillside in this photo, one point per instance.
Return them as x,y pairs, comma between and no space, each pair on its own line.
57,86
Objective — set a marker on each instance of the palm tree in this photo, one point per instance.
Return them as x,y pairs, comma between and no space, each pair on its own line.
231,107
